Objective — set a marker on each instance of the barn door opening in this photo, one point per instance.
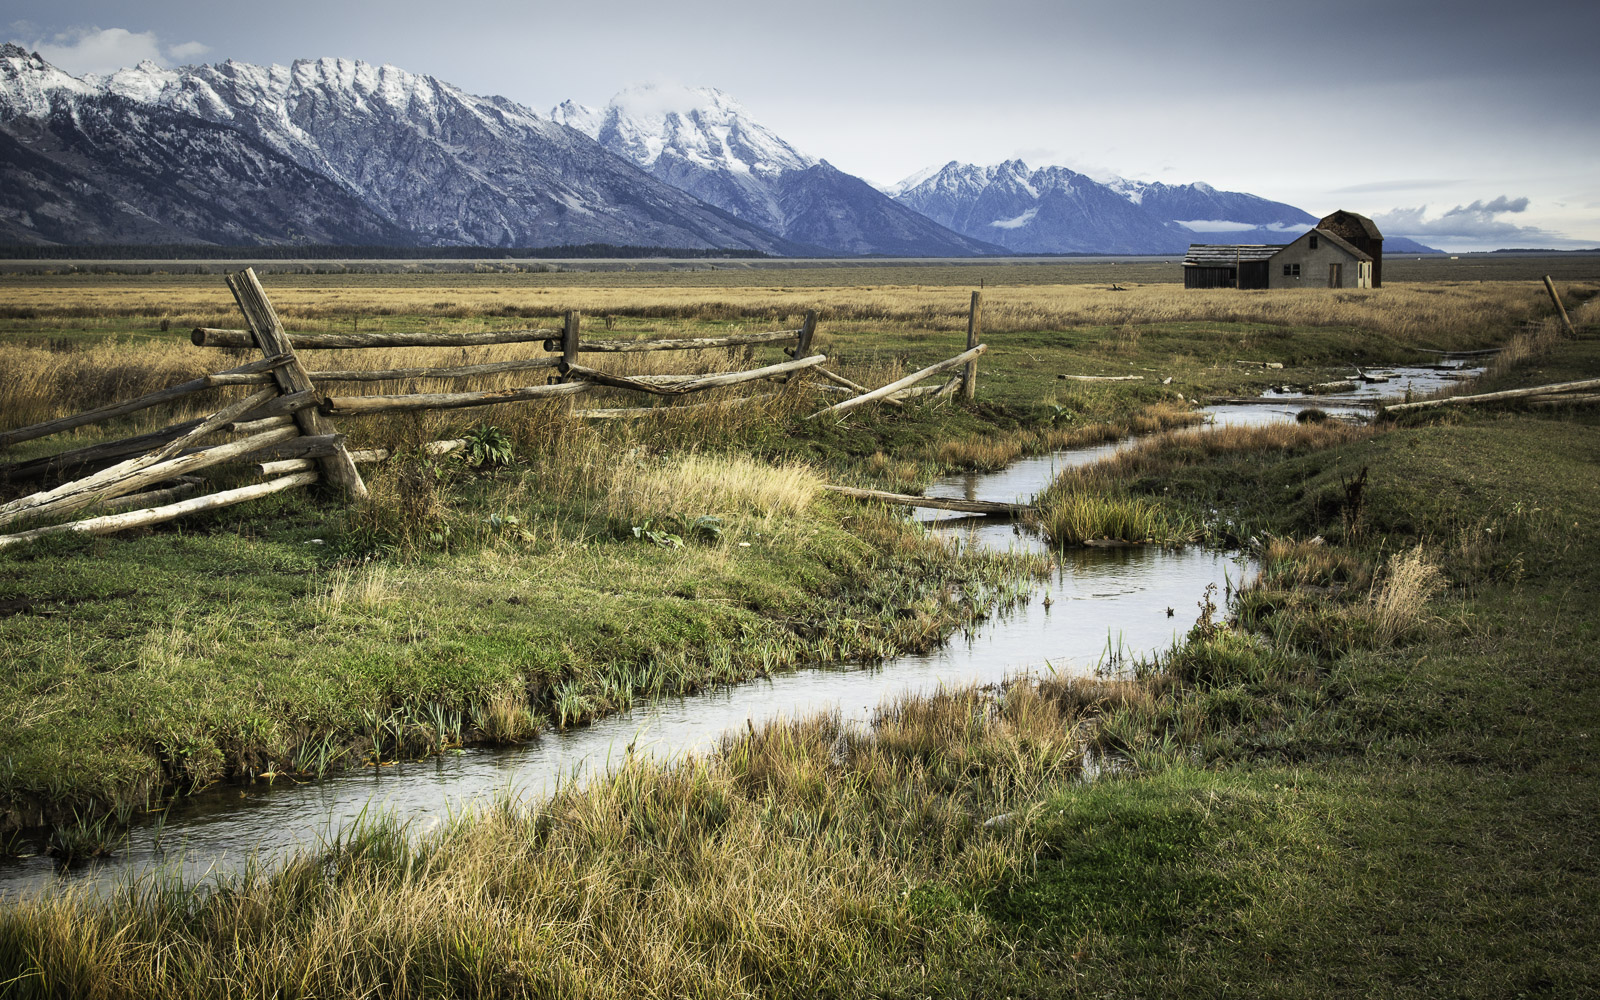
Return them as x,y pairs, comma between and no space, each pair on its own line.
1335,274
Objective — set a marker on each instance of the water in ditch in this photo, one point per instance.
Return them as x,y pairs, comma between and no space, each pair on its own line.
1098,606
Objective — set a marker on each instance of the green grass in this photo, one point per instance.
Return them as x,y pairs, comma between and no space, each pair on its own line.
1323,805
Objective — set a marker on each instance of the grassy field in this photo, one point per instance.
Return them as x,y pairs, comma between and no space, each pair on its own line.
1373,782
1372,774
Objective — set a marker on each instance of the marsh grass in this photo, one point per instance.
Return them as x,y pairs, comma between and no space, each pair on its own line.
763,869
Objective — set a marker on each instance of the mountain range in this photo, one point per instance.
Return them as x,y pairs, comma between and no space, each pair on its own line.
345,152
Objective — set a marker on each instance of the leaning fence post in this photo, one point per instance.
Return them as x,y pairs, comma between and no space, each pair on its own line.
969,380
802,346
1550,287
337,468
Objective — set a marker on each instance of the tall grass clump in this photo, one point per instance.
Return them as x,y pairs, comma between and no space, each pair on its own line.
1396,605
1078,516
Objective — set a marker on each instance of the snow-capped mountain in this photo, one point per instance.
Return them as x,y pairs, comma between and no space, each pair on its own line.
1049,210
706,143
81,165
1217,216
418,154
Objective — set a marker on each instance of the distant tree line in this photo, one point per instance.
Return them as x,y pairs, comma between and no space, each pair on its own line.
201,251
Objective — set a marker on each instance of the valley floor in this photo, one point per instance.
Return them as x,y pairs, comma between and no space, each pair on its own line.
1375,773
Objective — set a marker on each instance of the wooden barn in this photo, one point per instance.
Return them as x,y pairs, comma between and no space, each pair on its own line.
1228,265
1344,250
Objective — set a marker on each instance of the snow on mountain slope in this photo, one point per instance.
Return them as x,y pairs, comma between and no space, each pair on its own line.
442,165
704,142
1049,210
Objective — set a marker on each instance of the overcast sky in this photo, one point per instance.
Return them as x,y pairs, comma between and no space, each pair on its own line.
1470,125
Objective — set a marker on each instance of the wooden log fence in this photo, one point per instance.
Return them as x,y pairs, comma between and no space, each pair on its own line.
285,432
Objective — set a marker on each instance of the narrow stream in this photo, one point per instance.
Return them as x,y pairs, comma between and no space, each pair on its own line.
1099,605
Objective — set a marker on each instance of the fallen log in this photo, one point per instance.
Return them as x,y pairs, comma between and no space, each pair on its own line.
342,406
909,380
691,344
1460,354
253,371
280,467
937,503
1573,399
1494,397
677,385
155,515
150,498
137,479
845,383
1330,388
81,492
1103,378
206,336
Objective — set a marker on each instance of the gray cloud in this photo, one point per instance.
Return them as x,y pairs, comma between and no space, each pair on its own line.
1470,226
97,50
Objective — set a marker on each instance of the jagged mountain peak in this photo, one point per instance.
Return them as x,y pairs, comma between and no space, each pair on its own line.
28,83
701,140
703,126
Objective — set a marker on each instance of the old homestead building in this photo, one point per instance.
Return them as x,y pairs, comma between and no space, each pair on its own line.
1345,250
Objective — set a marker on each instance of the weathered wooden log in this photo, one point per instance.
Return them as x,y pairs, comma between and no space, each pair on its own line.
949,388
268,332
137,479
304,446
444,447
283,466
155,515
1460,354
151,498
1494,397
1330,388
86,488
969,380
1103,378
694,344
649,411
936,503
569,341
257,426
909,380
678,385
858,389
345,406
808,330
1570,399
239,339
254,370
1561,310
461,371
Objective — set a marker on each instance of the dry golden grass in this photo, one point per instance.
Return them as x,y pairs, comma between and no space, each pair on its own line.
710,484
1395,608
327,304
759,872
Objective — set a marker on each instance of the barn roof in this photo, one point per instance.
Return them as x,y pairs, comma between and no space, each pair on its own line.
1354,224
1342,243
1228,254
